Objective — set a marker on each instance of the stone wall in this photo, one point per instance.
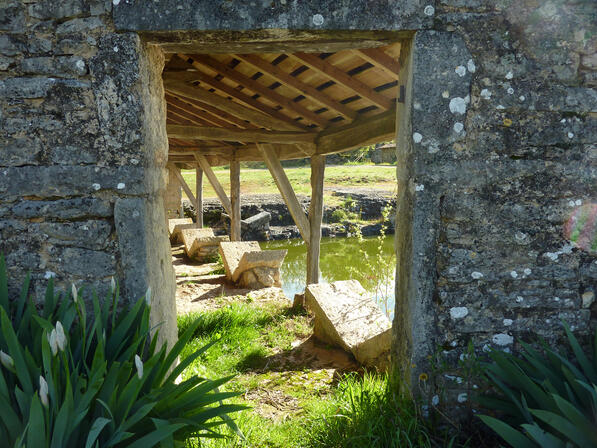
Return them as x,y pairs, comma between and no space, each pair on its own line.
82,153
504,150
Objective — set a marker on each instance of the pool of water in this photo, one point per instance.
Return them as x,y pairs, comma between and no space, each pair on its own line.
343,259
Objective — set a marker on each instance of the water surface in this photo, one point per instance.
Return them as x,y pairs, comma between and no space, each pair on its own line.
341,259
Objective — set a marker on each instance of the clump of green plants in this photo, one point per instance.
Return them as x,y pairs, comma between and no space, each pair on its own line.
69,379
546,399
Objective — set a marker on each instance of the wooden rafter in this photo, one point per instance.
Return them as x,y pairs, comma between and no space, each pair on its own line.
337,75
215,183
196,112
296,84
240,96
238,110
270,94
239,135
380,59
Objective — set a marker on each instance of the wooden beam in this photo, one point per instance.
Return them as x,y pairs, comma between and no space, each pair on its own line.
375,129
380,59
337,75
213,180
199,195
185,186
235,227
194,106
274,114
239,135
315,217
254,86
194,113
238,110
273,164
303,88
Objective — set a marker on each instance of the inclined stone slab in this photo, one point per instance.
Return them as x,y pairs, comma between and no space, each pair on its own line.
346,316
172,223
206,247
188,236
233,251
259,259
178,228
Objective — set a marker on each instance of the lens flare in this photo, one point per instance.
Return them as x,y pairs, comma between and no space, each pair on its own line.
581,227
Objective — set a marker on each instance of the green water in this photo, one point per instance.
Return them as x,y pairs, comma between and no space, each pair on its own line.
340,259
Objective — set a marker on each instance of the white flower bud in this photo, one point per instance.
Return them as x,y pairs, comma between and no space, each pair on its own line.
74,292
60,336
112,284
53,342
43,391
148,296
6,360
139,365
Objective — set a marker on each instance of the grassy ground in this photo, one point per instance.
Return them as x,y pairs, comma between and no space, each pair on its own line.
293,404
259,181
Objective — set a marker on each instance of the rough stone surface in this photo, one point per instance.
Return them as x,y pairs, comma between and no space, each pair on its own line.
188,235
264,266
346,316
174,222
176,235
233,251
206,248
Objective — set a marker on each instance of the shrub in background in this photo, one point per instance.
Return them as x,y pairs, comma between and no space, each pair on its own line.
72,380
546,399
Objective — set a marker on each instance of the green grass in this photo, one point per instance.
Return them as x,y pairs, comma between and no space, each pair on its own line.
260,181
253,340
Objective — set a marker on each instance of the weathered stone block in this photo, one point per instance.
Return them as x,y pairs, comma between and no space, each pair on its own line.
264,266
347,317
205,248
187,235
174,222
74,208
233,251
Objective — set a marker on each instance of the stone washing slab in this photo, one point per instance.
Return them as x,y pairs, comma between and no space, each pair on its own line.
233,251
346,316
188,236
178,228
259,259
172,223
206,247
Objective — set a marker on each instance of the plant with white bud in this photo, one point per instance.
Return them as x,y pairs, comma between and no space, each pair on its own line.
139,366
112,284
43,391
74,293
60,336
148,296
53,340
6,360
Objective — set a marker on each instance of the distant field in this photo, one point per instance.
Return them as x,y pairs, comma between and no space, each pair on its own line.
259,181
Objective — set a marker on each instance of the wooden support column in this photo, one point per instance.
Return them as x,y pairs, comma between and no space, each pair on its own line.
185,187
235,201
315,217
199,195
275,168
213,180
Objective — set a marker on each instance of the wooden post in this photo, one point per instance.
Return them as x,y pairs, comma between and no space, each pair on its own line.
213,180
186,188
275,168
235,201
199,195
315,216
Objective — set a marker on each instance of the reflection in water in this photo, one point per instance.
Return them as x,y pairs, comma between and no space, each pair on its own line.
581,228
340,259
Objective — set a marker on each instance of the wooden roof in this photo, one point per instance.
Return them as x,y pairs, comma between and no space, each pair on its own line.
221,105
